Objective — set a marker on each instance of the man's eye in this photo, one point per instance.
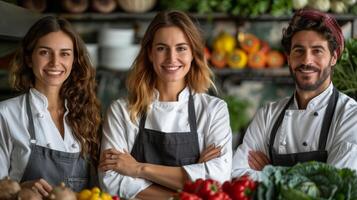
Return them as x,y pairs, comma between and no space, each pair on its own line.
318,51
298,51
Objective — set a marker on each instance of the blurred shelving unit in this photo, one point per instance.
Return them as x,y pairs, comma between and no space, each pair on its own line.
110,81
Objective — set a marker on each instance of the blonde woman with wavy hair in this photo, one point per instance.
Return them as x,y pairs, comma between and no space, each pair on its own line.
168,130
50,134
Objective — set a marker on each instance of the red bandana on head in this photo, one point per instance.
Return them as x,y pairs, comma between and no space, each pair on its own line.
330,23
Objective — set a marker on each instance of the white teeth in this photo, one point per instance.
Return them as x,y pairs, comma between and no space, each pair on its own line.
172,68
54,72
307,71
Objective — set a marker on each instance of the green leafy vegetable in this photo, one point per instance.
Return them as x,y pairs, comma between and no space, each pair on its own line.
238,115
345,73
308,181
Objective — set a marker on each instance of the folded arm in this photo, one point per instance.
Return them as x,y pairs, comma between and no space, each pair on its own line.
251,156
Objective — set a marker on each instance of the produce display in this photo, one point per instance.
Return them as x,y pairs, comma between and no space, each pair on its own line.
95,194
11,190
345,72
62,192
28,194
305,181
254,8
237,189
244,51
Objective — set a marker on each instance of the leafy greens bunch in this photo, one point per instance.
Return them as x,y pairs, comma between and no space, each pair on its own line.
345,72
308,181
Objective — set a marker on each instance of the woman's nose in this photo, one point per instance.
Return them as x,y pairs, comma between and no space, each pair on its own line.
54,60
171,55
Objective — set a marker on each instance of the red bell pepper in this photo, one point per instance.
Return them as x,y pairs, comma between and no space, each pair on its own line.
219,196
115,198
193,187
209,188
188,196
241,189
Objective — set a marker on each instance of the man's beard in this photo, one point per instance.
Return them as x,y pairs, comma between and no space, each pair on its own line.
321,77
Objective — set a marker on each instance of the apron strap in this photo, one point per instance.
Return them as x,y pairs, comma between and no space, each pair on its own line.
192,114
29,115
142,121
277,125
330,110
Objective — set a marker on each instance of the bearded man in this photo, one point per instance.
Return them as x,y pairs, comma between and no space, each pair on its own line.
317,123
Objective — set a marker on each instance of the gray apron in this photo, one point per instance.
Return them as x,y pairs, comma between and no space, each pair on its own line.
318,155
169,149
55,166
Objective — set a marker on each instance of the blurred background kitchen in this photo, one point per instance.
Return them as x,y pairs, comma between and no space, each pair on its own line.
242,43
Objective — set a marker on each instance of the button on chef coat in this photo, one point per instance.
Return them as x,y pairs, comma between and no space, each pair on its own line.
300,132
213,128
15,138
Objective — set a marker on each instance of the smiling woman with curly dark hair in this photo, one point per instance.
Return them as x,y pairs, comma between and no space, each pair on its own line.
50,134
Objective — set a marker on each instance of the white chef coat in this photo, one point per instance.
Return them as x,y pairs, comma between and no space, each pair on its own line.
15,137
300,131
213,126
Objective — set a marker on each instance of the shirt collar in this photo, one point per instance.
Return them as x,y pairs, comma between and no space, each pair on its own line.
169,105
184,94
40,100
318,101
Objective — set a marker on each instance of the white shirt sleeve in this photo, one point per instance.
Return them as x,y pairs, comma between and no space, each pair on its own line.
115,136
219,133
344,146
5,147
254,139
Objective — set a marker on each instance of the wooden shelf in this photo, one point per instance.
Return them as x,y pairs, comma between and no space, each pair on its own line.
278,75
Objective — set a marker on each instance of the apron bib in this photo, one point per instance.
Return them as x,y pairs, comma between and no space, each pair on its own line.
55,166
318,155
169,149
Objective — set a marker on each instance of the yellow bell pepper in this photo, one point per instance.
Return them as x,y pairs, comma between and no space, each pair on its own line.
224,43
237,59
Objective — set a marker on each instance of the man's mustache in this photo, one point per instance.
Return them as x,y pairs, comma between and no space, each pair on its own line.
307,67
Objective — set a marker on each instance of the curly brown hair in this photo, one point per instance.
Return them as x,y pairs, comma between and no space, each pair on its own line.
322,23
79,88
142,78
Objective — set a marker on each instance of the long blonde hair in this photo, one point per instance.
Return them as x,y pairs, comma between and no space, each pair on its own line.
142,78
79,88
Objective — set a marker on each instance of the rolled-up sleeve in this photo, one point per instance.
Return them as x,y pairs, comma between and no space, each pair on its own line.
218,133
115,135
